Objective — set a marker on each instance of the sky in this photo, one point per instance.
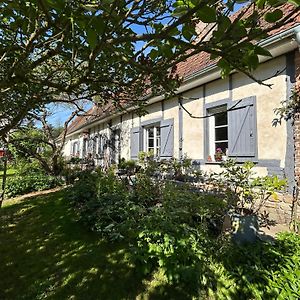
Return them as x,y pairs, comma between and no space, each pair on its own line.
61,115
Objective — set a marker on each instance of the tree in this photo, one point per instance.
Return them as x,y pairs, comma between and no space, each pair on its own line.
43,144
119,50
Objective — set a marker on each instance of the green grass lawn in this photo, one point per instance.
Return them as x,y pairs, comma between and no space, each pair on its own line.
45,253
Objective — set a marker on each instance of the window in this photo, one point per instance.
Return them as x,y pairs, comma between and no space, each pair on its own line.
101,145
85,148
115,145
152,140
95,143
154,135
221,131
218,132
232,130
75,149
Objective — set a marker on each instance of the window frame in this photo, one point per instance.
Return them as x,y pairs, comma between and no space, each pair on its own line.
156,147
137,137
229,103
212,130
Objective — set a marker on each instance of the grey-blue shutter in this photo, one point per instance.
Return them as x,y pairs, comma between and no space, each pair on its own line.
242,130
100,145
167,138
135,143
78,150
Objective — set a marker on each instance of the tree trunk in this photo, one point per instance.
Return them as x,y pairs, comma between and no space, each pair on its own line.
3,181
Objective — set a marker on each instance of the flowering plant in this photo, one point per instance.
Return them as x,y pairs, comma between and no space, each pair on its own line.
218,155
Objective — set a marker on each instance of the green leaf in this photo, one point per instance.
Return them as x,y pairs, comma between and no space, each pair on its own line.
56,4
295,2
274,16
262,51
275,3
188,32
98,24
207,14
261,3
225,67
252,61
179,11
91,38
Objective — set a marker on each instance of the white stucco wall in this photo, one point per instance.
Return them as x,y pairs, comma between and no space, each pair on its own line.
271,141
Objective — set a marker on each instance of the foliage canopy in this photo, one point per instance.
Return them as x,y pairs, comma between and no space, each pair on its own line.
64,51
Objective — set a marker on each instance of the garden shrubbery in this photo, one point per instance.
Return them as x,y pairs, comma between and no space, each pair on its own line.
20,185
176,229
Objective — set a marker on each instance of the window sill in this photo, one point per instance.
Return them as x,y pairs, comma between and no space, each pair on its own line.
237,160
213,162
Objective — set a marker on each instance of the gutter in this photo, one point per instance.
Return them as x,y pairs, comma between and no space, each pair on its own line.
212,72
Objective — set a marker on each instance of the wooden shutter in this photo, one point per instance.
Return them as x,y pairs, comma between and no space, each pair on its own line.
100,144
135,142
79,150
242,130
167,138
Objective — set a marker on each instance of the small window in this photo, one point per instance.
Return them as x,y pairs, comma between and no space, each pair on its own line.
85,147
100,145
218,133
75,149
152,140
95,143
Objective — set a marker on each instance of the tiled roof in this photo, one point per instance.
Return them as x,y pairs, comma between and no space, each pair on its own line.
202,60
186,68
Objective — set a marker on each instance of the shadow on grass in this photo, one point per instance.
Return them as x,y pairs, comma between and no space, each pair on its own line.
46,253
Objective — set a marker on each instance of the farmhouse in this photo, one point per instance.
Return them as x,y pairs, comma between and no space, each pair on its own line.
210,119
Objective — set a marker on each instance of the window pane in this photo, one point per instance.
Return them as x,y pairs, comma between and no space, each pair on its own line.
221,119
158,131
150,143
223,146
151,132
221,134
157,141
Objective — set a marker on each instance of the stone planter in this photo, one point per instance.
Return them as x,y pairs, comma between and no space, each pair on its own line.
245,228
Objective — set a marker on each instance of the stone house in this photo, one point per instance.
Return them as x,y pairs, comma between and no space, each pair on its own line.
209,115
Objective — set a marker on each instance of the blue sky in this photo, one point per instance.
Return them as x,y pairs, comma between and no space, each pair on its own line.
60,116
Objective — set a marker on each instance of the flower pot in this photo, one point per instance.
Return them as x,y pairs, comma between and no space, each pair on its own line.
218,157
245,228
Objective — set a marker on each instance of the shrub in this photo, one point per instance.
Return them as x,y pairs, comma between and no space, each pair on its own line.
26,167
168,227
259,271
165,224
20,185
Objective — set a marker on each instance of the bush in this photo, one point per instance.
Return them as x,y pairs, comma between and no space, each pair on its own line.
261,270
172,227
26,167
165,224
20,185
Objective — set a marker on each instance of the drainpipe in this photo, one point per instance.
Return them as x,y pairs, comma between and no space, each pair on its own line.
180,123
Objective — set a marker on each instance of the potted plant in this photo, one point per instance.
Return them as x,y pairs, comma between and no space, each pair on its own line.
219,154
246,194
